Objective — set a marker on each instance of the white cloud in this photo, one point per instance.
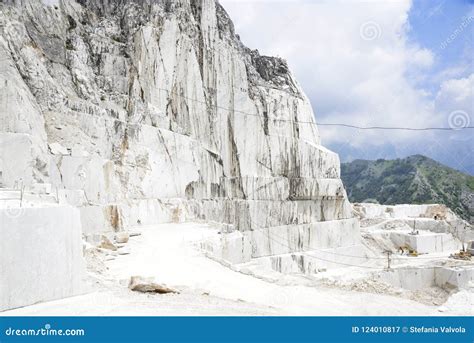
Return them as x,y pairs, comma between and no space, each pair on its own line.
422,58
456,98
352,58
457,94
356,64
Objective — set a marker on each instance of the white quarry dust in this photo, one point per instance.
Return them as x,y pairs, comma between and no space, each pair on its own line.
459,304
170,253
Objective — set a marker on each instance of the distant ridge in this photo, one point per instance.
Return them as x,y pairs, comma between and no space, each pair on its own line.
413,180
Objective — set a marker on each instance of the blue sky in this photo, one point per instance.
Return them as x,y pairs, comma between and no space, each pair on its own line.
431,20
376,63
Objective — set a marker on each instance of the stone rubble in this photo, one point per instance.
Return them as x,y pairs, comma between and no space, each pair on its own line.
148,285
122,237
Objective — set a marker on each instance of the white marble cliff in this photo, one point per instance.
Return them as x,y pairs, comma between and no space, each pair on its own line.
144,112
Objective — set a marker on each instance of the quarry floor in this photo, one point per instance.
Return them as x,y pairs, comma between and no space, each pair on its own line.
170,253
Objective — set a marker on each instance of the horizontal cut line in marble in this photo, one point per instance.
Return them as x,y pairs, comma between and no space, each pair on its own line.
311,263
327,252
273,188
92,109
244,246
264,213
139,122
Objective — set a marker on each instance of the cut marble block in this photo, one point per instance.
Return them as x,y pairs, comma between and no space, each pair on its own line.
309,189
241,247
100,219
298,238
255,188
153,211
233,248
40,255
16,156
315,261
425,242
279,188
460,277
424,277
253,214
309,160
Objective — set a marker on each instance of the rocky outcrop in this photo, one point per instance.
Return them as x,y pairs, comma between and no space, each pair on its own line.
151,111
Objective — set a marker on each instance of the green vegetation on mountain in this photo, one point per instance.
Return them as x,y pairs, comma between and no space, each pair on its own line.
412,180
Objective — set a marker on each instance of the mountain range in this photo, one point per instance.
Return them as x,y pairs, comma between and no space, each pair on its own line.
413,180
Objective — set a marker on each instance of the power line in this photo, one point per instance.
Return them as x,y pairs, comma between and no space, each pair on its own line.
306,122
327,252
396,128
405,268
318,124
352,265
308,248
322,259
313,122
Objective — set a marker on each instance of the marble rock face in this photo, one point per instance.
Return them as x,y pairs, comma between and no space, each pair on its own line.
151,111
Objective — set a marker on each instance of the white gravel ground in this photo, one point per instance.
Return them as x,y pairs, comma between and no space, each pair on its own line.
169,253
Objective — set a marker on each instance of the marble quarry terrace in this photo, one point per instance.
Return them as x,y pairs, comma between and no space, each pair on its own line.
152,164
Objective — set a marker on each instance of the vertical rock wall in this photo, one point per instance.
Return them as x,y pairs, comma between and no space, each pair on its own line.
157,110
